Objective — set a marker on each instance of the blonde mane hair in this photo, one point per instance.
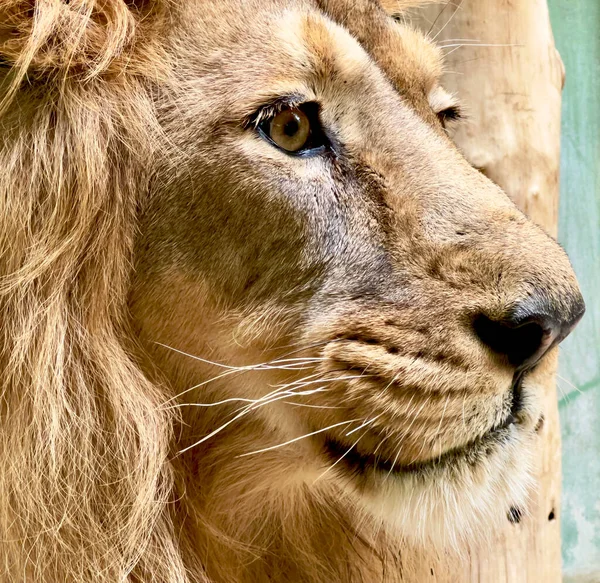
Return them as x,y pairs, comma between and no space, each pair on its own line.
84,446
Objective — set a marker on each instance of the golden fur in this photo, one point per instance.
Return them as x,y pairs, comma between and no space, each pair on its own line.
153,247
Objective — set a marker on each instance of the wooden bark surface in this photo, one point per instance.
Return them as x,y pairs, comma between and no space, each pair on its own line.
512,95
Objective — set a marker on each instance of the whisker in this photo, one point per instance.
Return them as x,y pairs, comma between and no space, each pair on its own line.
564,395
304,393
308,346
340,458
464,61
416,416
393,463
303,381
407,429
278,395
288,360
437,433
479,45
199,358
368,422
294,389
256,401
458,7
412,398
280,363
424,442
312,406
439,16
486,45
212,379
300,383
454,40
227,373
564,380
215,404
222,375
240,413
297,438
267,364
214,432
380,444
307,366
325,379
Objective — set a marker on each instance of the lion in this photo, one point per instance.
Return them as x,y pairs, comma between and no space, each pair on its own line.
261,319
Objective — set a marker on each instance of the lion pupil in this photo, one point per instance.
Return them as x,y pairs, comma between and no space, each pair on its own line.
291,128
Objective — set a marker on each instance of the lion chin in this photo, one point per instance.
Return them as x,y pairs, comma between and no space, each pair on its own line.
451,502
462,494
262,321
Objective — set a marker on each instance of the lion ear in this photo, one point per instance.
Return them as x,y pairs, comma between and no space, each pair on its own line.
89,36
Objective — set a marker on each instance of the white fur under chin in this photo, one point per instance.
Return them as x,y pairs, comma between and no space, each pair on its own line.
450,506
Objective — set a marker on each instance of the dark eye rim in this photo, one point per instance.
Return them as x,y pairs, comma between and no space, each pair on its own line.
317,141
450,115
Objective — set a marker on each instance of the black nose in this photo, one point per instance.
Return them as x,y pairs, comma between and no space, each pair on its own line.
529,330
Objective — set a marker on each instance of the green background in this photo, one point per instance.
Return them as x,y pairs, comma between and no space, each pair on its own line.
576,25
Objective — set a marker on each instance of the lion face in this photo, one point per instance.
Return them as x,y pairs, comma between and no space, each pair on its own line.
310,213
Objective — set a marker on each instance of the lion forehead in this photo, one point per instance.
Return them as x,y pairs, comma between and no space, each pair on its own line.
286,47
409,59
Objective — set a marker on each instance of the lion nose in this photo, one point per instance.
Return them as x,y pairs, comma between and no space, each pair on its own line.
529,330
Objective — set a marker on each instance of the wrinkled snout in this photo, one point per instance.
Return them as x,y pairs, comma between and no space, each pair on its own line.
537,302
483,263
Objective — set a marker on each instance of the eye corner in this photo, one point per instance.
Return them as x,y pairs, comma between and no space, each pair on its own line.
446,107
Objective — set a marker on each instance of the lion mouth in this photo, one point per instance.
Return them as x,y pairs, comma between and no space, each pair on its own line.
360,463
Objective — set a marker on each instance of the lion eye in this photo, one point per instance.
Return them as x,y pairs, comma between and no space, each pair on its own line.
295,129
290,129
450,115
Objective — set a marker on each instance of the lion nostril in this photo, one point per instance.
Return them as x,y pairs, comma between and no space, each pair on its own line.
525,335
518,342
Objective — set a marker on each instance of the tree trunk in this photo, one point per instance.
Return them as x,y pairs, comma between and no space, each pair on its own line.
512,95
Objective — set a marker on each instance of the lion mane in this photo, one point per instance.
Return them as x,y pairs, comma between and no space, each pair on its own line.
84,445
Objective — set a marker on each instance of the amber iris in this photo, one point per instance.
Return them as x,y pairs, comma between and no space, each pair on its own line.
290,129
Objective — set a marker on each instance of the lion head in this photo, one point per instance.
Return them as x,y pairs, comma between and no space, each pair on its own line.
262,320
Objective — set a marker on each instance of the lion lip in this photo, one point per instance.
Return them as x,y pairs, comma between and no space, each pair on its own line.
359,463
